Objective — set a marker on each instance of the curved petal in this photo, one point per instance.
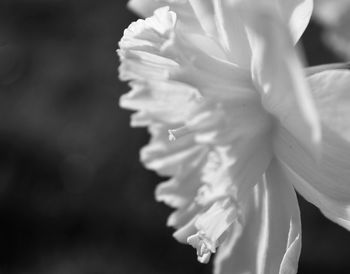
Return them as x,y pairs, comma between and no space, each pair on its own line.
191,26
204,11
231,25
295,14
179,191
298,14
165,157
232,33
277,72
144,8
332,97
270,239
336,210
329,174
309,71
324,182
152,49
161,100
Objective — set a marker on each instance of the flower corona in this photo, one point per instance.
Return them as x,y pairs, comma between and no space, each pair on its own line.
236,124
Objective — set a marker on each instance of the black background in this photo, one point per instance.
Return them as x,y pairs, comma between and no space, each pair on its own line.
73,196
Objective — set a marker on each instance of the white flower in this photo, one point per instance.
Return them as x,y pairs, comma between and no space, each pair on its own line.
335,17
236,125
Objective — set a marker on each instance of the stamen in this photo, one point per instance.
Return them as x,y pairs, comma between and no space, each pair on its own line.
194,124
178,132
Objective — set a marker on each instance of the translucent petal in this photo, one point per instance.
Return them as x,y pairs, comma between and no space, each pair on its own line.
178,192
181,190
252,162
237,122
331,92
161,99
144,8
231,25
278,75
268,239
336,210
187,22
329,174
325,181
166,157
153,49
213,19
309,71
232,33
295,14
204,12
210,226
181,218
298,14
216,220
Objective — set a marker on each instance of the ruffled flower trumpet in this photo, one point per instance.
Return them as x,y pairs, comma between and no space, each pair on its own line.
236,125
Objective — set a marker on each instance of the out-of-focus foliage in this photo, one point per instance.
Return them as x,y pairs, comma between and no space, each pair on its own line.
73,197
335,17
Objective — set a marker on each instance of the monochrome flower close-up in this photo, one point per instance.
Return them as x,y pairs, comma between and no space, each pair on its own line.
237,124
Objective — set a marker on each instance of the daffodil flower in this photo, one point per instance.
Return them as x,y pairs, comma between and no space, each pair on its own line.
335,17
237,126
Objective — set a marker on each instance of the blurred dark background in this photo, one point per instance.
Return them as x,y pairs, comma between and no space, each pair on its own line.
74,198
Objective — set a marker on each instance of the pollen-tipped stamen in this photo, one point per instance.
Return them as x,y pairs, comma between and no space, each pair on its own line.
179,132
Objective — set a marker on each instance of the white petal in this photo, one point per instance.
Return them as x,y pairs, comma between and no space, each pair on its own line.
167,158
191,26
298,14
231,25
232,33
309,71
181,190
331,92
295,14
216,220
144,8
336,210
220,23
207,228
182,218
152,49
205,13
269,240
324,182
161,100
278,74
253,156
